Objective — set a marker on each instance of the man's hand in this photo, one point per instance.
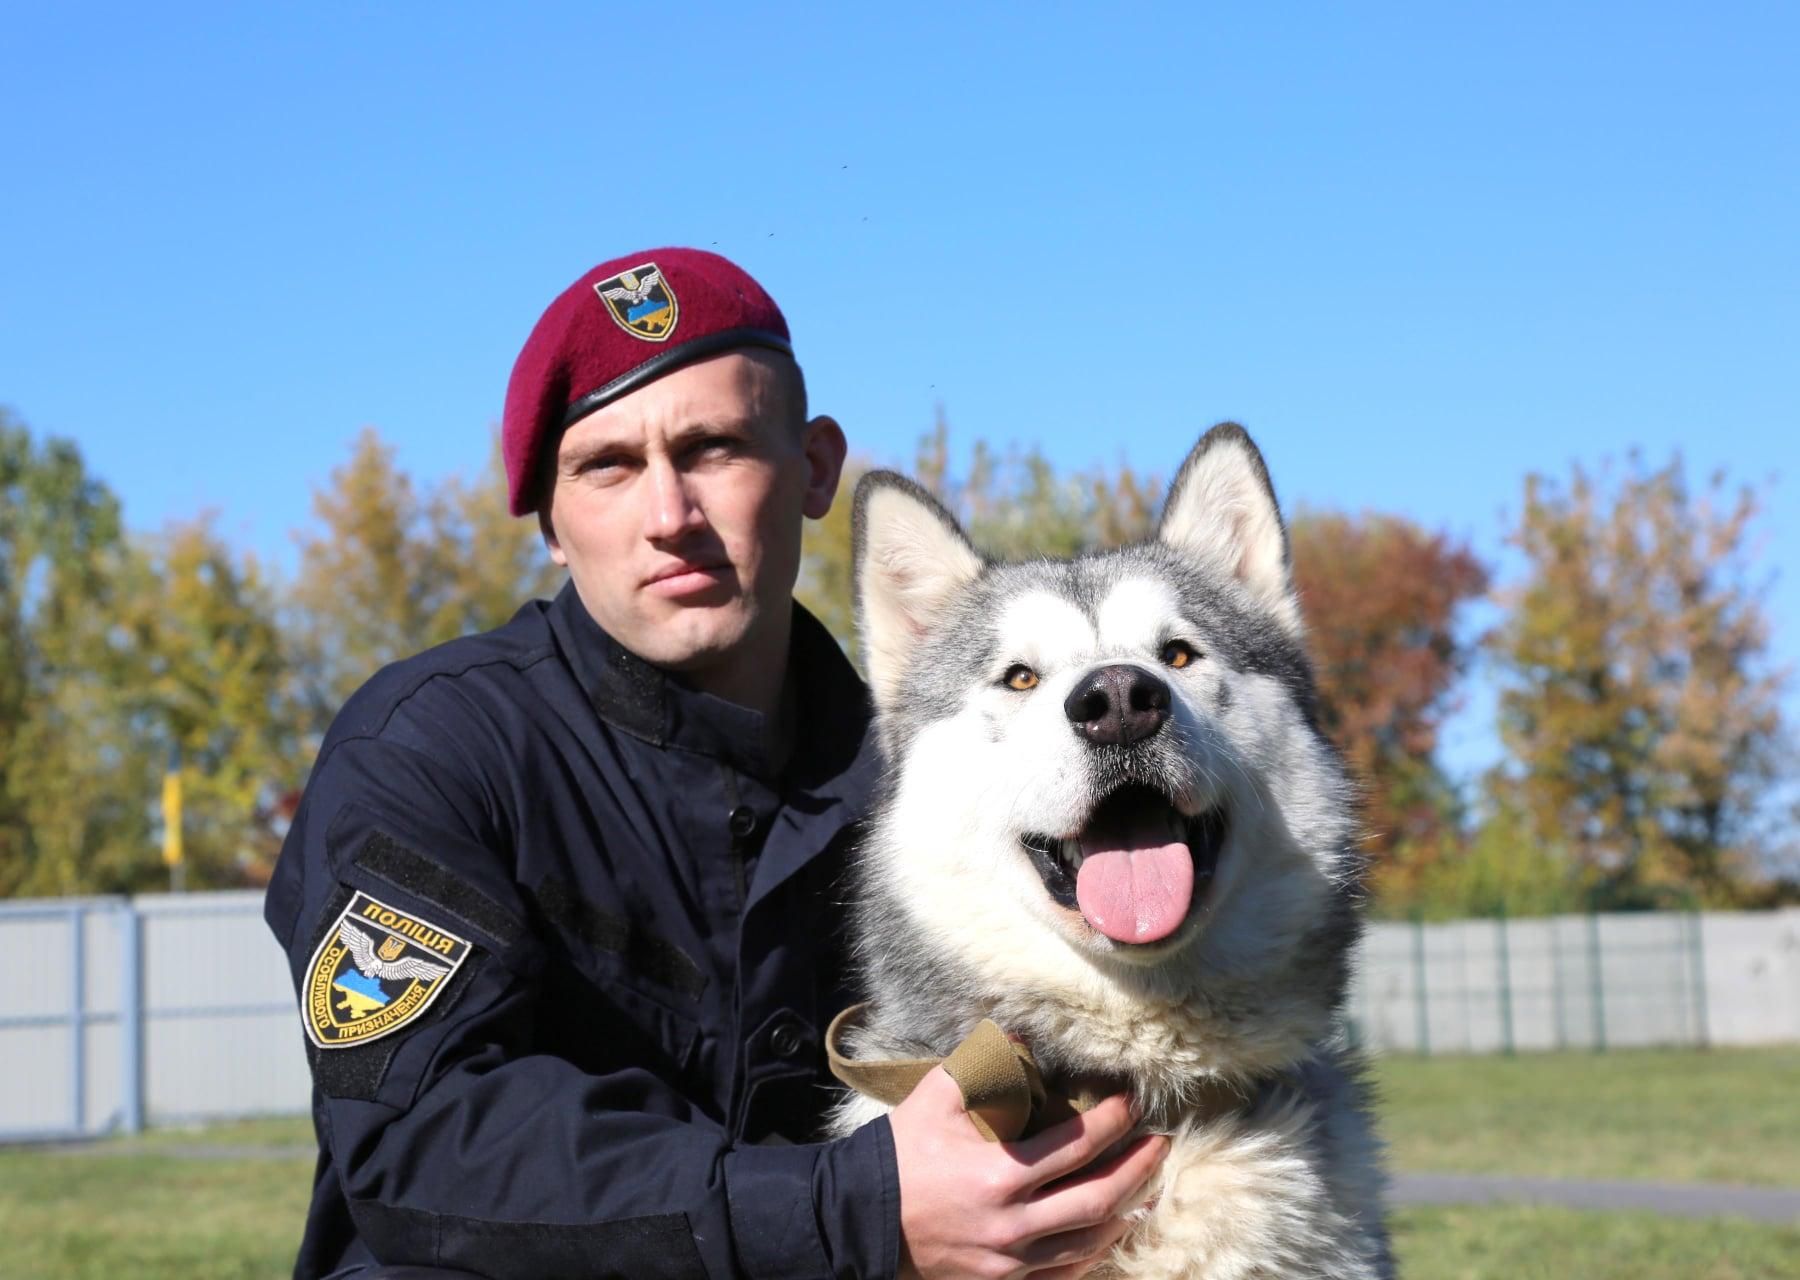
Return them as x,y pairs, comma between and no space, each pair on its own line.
993,1210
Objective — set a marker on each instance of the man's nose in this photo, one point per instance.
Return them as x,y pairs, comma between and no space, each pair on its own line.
672,509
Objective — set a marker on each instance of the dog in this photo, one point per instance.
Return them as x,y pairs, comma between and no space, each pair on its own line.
1112,825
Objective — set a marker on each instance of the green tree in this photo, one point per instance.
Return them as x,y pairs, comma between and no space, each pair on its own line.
61,547
1014,506
207,672
119,649
1504,867
826,563
365,595
1639,706
390,570
485,561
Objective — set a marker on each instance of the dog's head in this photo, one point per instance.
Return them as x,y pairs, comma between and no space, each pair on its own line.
1113,757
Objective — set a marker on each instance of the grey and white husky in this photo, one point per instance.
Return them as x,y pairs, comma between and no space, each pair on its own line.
1113,826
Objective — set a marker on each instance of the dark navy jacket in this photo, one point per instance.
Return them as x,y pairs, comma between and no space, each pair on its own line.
623,1076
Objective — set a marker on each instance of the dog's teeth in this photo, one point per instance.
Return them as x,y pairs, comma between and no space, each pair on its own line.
1071,853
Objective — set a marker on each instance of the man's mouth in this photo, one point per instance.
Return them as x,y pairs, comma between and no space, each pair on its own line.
686,577
1136,868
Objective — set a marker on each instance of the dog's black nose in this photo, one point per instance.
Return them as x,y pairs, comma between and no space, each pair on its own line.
1117,705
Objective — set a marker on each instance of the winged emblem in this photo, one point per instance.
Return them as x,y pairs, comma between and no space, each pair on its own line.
362,950
625,292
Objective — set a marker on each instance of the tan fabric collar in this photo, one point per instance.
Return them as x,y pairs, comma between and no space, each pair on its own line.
1002,1087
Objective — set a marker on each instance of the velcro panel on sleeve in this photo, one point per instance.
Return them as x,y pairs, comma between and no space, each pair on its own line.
386,858
655,1247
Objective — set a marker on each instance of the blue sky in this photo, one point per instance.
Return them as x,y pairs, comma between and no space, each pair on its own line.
1417,250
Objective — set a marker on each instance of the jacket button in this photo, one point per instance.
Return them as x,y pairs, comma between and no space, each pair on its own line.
742,820
786,1040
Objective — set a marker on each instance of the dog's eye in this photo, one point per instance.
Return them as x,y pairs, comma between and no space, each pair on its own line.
1178,653
1021,677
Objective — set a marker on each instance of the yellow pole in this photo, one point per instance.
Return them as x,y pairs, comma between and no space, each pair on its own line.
171,814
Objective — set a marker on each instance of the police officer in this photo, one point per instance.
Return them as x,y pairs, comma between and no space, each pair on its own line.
560,899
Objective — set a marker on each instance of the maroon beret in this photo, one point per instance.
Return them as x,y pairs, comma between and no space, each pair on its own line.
621,325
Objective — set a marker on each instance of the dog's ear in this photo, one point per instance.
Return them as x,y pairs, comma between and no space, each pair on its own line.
911,556
1222,512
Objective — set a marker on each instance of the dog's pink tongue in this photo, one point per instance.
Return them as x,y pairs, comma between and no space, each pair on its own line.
1132,886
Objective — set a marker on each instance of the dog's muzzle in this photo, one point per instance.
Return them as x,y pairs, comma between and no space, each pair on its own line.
1136,867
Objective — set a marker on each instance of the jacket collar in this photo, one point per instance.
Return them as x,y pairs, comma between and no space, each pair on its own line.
831,705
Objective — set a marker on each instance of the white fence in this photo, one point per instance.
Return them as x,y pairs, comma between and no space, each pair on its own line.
164,1009
1579,982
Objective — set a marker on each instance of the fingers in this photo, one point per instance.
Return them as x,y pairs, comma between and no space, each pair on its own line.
1099,1194
937,1093
1073,1252
1062,1149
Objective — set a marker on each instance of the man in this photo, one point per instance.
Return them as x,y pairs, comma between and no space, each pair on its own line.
559,900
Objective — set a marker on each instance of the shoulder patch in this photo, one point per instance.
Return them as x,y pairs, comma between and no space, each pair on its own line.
375,970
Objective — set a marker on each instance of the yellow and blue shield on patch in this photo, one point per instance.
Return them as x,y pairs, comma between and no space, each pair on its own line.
642,302
375,970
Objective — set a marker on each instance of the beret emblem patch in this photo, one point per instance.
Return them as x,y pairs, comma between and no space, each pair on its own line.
376,969
642,302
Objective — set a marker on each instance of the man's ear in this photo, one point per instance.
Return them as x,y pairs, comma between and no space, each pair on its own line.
910,559
548,529
822,440
1222,512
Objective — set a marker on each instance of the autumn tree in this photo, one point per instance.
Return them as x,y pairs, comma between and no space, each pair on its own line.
1382,598
1639,708
389,570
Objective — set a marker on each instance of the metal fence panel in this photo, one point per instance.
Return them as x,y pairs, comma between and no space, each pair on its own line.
1579,982
59,1018
173,1008
221,1034
1750,975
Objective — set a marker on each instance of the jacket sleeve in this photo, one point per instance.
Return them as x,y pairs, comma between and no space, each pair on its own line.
456,1144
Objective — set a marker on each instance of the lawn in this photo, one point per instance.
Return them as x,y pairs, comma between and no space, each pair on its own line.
228,1201
1530,1242
146,1208
1725,1115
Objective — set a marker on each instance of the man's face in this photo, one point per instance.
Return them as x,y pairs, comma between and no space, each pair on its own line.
677,508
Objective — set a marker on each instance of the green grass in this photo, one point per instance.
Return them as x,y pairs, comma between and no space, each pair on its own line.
265,1133
129,1208
1669,1116
1520,1242
144,1208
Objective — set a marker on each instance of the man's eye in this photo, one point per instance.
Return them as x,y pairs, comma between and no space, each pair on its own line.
717,447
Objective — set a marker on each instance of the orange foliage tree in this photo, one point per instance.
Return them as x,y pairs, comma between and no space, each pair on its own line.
1381,597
